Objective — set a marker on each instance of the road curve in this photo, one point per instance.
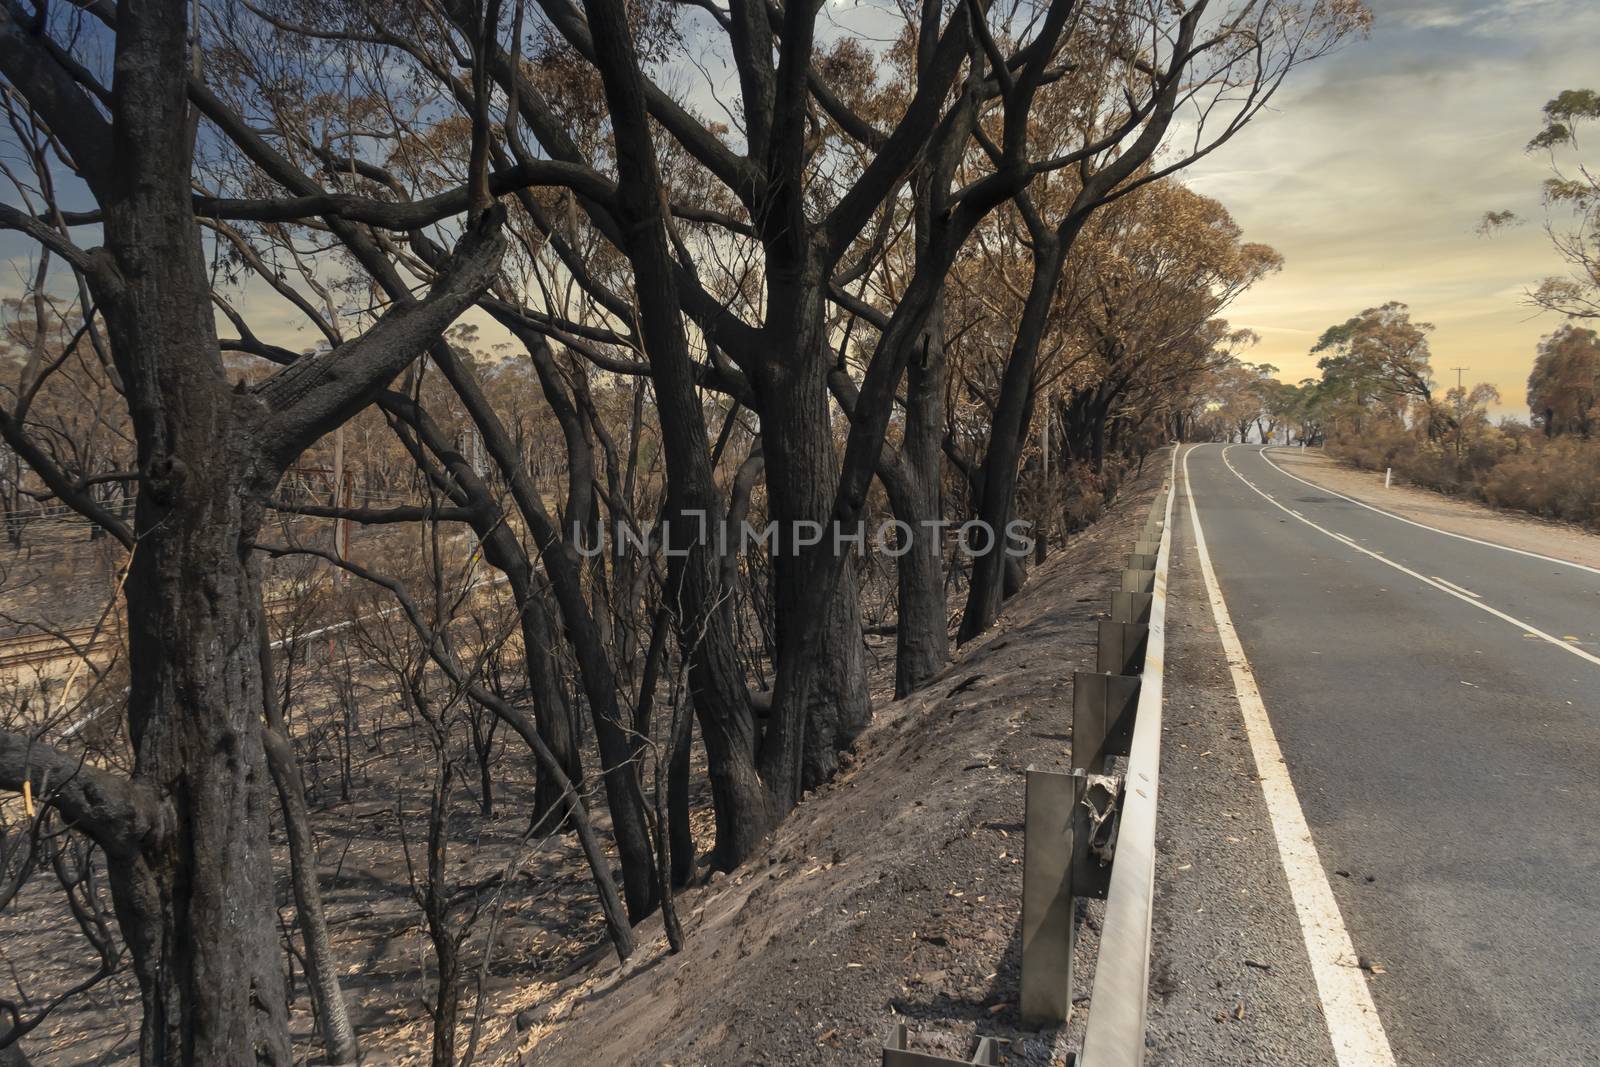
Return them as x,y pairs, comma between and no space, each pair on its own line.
1437,704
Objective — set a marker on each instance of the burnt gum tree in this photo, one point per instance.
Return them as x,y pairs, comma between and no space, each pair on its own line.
355,221
191,874
785,363
779,368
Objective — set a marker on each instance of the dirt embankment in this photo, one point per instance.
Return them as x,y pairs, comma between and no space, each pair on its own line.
1453,514
892,895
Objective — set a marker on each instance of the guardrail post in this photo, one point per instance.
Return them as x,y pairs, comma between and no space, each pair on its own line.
1131,607
1103,707
1049,919
895,1053
1062,864
1138,581
1121,647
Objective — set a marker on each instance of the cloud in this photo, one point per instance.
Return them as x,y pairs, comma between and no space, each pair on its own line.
1490,18
1374,169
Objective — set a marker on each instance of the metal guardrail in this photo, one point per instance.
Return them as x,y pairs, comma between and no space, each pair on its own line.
1090,833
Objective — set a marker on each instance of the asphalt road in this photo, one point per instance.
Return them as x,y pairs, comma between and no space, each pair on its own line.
1441,726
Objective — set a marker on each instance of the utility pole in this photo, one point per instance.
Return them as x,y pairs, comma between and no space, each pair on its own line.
1461,408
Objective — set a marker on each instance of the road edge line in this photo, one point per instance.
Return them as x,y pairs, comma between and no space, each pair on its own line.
1425,526
1353,1024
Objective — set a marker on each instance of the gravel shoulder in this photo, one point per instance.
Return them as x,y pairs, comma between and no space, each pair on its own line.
1230,982
1454,514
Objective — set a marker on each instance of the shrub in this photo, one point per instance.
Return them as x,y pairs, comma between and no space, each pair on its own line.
1555,479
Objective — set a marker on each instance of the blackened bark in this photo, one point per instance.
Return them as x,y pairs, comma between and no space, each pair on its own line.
820,700
1097,440
911,481
672,760
197,914
338,1038
818,569
435,901
744,481
196,908
549,697
802,477
679,830
915,491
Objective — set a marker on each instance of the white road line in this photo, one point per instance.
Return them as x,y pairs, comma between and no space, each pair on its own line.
1352,1018
1425,526
1457,588
1443,587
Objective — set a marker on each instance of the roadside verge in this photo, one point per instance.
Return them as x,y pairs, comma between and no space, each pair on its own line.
893,894
1456,516
1231,982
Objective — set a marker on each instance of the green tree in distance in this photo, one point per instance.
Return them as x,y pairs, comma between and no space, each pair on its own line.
1379,355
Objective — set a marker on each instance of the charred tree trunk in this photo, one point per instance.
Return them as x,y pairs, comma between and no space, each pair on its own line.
802,476
1097,438
679,831
819,568
195,905
197,911
322,972
435,901
673,831
549,700
915,486
1006,435
915,492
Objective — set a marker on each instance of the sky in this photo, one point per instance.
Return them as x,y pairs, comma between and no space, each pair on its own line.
1373,170
1369,175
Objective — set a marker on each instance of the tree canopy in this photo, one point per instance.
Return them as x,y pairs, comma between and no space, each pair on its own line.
1564,386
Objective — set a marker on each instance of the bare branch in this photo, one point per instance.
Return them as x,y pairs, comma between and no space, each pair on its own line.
118,812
